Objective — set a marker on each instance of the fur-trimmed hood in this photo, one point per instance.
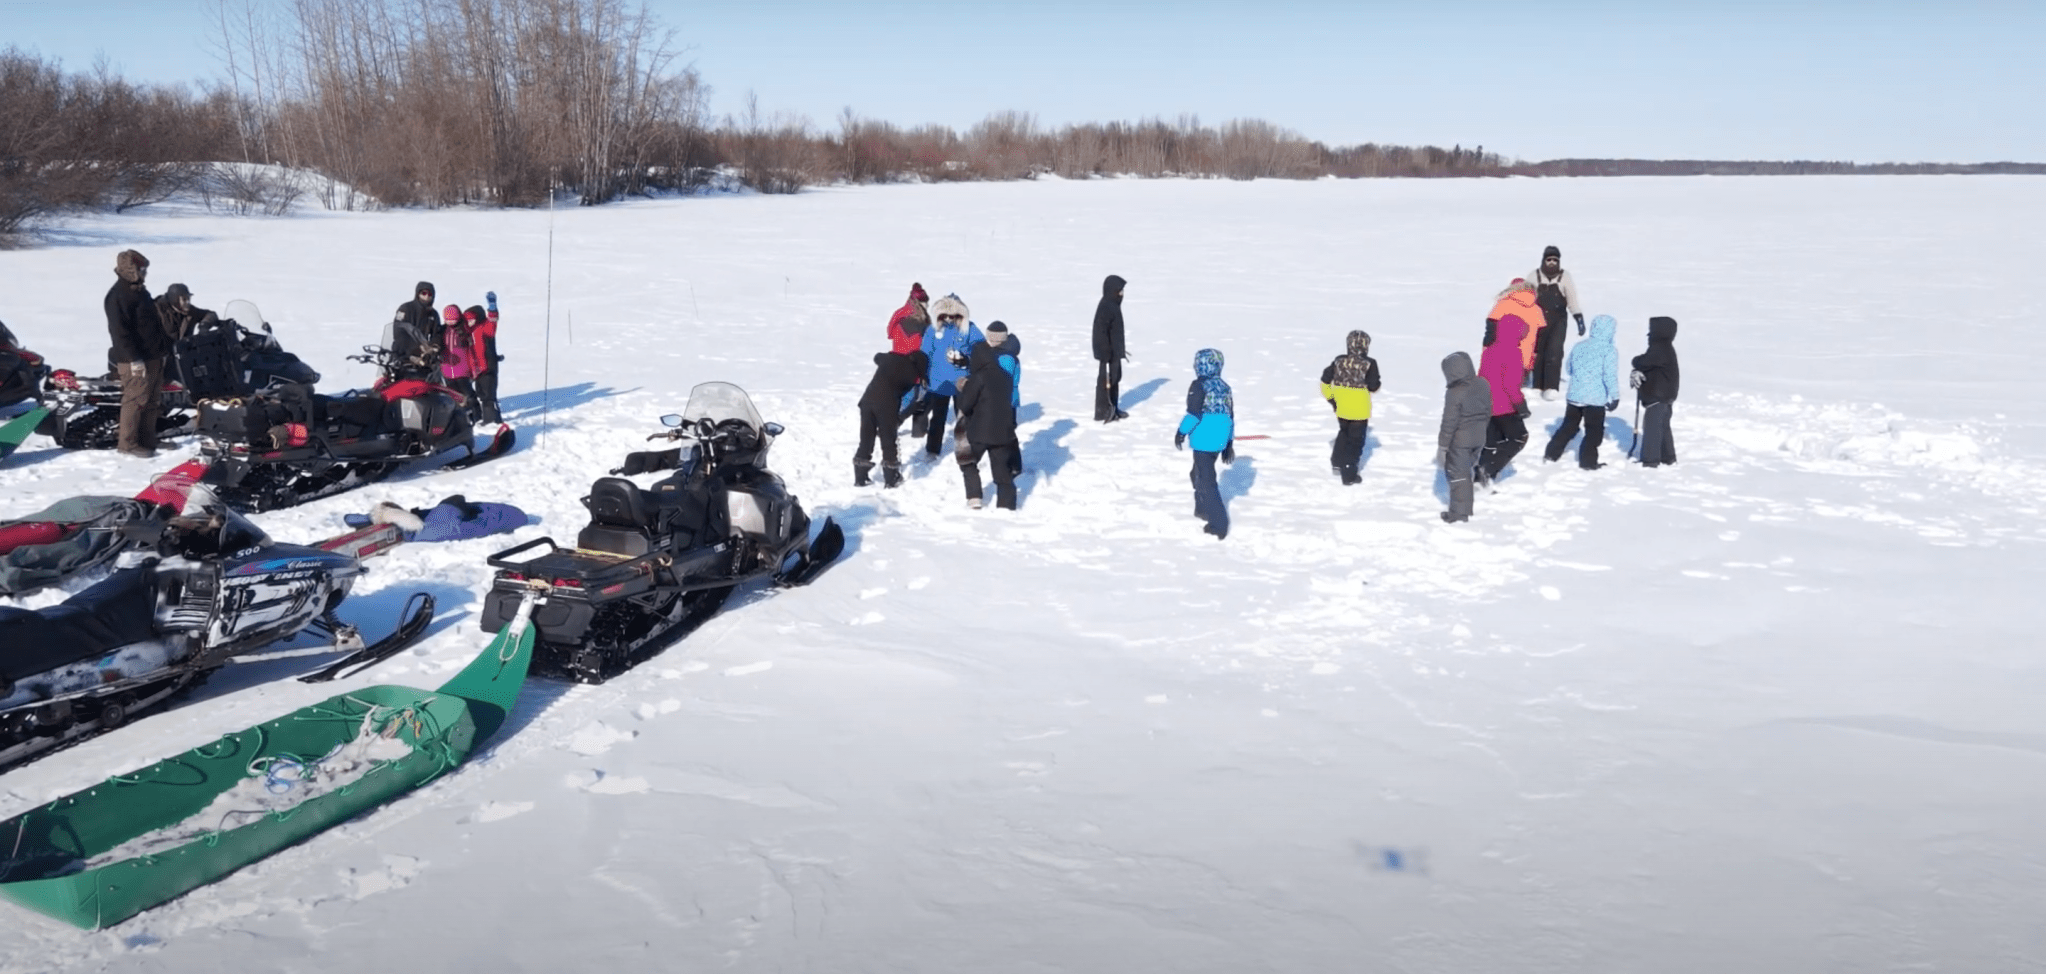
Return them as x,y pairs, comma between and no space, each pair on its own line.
951,305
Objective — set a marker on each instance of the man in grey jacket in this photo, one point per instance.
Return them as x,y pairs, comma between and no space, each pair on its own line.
1466,409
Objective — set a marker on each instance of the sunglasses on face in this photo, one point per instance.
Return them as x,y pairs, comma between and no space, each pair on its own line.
951,317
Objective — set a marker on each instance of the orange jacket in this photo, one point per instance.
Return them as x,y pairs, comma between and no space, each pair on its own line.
1521,303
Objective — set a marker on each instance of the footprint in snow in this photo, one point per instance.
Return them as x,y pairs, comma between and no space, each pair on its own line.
499,811
597,738
596,782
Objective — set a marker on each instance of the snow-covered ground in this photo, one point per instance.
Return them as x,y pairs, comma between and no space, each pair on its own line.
1774,709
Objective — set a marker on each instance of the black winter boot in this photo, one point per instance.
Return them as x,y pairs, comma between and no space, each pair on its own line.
1350,476
891,475
860,471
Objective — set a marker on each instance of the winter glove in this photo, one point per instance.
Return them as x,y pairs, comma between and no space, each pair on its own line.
1615,404
1580,326
490,299
1179,441
1635,378
956,357
1229,452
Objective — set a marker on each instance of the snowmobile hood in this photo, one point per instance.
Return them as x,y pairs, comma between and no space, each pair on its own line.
1208,363
1456,367
1512,329
1602,329
1661,329
1359,343
1112,286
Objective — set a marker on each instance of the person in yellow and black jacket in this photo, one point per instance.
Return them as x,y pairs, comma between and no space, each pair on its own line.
1347,384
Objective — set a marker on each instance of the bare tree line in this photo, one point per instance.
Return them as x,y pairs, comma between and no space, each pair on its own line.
370,103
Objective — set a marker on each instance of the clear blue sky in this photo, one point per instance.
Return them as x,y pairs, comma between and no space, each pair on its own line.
1874,81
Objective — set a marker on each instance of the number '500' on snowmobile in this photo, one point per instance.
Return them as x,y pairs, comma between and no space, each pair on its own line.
285,445
217,590
655,563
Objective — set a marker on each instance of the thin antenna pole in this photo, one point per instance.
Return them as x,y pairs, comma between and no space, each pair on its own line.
547,355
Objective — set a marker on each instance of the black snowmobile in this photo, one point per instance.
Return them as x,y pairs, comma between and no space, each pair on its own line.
217,590
287,445
654,563
86,410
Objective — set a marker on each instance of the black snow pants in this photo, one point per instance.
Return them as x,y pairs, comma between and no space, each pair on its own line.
1348,452
1658,446
1504,436
875,424
1108,392
1208,493
1593,419
935,408
999,459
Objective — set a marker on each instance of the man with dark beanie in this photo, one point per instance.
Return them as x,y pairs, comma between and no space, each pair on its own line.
139,345
1655,382
414,330
1556,295
1109,352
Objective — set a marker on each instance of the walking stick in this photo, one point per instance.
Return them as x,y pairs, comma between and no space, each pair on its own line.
1635,440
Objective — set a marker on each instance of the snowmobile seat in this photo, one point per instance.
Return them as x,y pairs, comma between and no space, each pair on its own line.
119,611
619,520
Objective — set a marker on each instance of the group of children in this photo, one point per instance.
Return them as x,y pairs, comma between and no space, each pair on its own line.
941,361
460,344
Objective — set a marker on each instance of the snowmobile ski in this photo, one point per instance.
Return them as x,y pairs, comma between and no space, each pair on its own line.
810,563
501,443
418,615
19,428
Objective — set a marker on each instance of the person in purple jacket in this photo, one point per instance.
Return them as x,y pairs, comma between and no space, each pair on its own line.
1501,368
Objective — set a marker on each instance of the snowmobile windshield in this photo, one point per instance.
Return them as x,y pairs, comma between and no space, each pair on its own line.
245,314
7,339
238,533
718,402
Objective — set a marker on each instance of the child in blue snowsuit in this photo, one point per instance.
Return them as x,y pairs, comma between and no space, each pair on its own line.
1210,424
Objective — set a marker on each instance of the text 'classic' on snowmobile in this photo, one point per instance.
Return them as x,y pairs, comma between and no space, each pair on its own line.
287,445
219,590
655,563
85,411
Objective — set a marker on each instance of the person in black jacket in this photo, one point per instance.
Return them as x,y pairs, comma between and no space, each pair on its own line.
896,376
414,335
1109,352
1655,384
178,313
139,345
988,405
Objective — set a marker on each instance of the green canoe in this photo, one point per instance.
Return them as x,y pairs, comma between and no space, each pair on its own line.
102,855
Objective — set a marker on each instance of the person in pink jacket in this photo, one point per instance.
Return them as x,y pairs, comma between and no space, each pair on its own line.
457,364
1501,368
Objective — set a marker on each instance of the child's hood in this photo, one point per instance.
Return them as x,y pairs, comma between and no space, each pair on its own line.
1208,363
1661,329
1456,367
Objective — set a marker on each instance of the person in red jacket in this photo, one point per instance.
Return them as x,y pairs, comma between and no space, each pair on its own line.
1501,368
483,357
905,335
